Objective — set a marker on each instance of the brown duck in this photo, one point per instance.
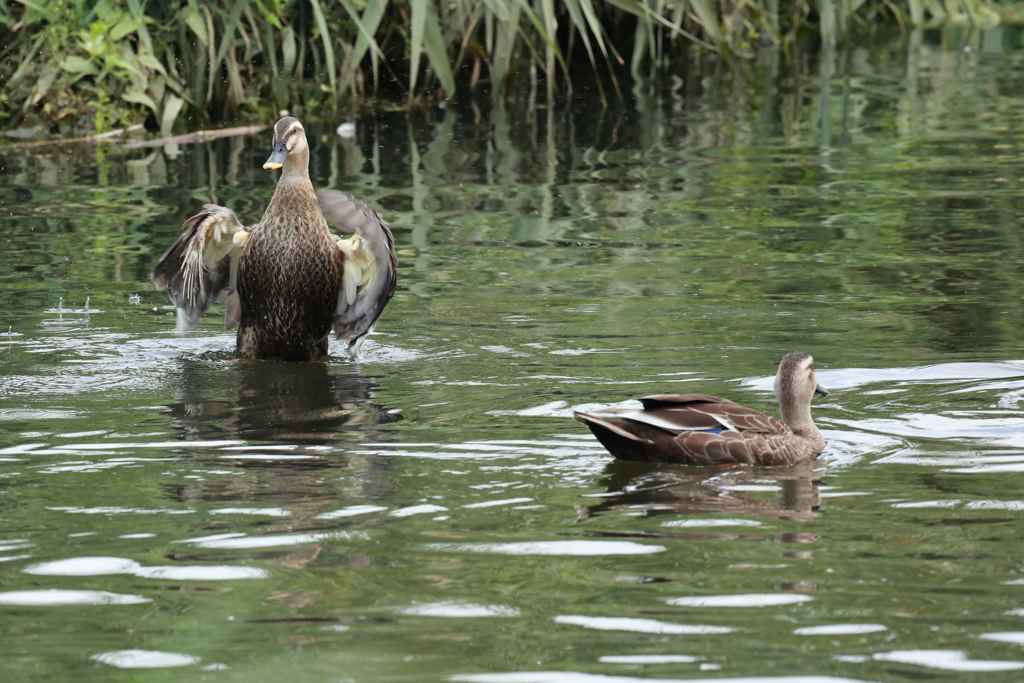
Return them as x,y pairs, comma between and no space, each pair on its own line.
695,429
288,279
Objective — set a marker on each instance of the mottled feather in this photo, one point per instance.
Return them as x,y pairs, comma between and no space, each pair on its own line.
288,279
200,267
370,266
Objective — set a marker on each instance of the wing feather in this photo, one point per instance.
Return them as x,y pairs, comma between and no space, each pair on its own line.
202,264
730,415
370,266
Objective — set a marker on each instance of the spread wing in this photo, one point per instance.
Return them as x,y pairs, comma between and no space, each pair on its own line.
370,266
201,265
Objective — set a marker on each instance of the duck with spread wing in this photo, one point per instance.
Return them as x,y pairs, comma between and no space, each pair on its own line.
695,429
288,279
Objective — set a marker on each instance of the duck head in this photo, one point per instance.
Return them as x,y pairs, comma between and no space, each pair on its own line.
289,138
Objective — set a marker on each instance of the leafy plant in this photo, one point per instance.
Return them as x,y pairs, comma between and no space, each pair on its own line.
104,63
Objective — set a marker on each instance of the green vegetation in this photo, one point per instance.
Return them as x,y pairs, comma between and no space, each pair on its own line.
98,65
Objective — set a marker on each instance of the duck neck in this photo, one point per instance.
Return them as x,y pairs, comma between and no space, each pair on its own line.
294,193
797,418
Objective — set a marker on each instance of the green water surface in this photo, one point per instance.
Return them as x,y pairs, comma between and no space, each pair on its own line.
432,512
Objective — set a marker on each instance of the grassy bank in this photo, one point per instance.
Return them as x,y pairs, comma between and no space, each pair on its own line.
72,65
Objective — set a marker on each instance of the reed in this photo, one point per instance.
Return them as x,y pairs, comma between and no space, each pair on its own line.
68,64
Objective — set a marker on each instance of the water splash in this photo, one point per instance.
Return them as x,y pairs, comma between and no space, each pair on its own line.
60,310
87,310
60,307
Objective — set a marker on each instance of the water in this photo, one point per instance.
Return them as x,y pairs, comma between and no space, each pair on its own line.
432,512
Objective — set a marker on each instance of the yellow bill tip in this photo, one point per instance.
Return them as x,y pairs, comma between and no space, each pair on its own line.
271,166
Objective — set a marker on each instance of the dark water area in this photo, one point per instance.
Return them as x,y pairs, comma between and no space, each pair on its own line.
432,512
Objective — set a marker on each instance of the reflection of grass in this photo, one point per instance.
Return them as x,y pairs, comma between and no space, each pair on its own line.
108,63
73,241
727,212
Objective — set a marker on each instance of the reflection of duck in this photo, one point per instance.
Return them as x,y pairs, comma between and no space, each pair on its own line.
656,489
696,429
291,416
276,402
289,280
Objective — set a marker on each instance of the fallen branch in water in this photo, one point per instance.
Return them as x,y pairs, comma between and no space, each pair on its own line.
68,141
198,136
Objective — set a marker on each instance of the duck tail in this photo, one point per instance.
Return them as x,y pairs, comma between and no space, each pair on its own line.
621,443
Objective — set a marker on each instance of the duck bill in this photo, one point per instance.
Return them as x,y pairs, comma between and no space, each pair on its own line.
277,157
820,390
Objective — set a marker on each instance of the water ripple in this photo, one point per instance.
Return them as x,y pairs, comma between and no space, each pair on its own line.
748,600
144,659
56,598
948,660
640,625
572,548
454,609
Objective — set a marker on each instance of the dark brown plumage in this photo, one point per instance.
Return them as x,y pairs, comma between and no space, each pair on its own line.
288,279
696,429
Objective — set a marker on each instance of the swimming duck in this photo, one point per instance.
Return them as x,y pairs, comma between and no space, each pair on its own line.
288,279
695,429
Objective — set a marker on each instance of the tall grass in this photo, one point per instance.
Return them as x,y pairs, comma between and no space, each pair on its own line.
100,64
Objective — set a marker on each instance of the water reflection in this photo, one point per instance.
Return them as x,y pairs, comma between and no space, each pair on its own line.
285,403
293,424
864,208
790,493
848,178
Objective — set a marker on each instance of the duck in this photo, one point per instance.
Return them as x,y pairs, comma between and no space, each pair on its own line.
288,280
696,429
